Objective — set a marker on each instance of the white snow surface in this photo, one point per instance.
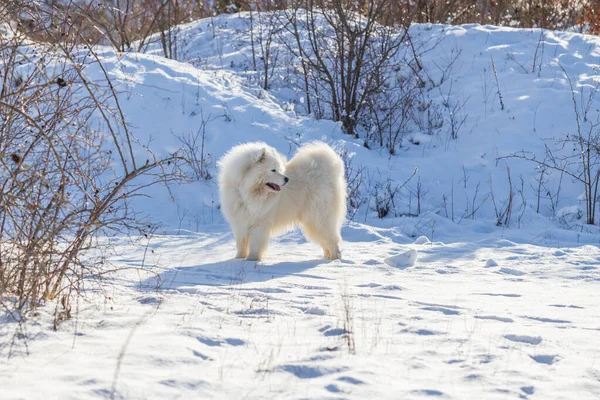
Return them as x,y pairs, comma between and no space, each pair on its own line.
483,312
296,326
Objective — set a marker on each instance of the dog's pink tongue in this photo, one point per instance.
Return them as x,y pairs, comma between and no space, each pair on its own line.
276,187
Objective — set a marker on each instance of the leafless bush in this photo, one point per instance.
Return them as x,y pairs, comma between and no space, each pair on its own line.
354,180
582,162
268,27
384,195
472,206
125,24
193,147
347,54
391,110
504,209
455,109
67,168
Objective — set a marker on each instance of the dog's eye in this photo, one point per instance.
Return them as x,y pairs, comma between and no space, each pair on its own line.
272,170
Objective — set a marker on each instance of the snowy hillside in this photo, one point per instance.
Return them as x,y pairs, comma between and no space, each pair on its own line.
444,297
460,179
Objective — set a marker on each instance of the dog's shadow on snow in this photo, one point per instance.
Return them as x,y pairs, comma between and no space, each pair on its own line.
230,272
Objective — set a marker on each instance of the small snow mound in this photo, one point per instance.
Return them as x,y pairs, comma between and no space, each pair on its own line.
404,260
491,263
422,240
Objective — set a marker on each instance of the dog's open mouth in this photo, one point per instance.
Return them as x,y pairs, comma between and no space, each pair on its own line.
273,186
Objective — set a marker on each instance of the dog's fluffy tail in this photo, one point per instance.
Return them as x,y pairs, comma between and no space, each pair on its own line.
318,155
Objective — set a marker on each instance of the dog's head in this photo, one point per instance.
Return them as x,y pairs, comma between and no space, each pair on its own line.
267,170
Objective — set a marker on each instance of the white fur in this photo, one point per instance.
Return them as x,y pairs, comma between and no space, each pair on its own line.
314,197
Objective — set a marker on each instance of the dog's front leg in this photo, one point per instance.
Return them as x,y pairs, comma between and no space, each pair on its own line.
258,241
241,241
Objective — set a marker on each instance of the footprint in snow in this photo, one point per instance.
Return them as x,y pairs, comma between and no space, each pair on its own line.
493,318
545,359
335,332
534,340
201,356
566,306
443,310
528,389
428,392
333,388
511,271
309,371
314,310
351,380
402,261
216,343
548,320
421,332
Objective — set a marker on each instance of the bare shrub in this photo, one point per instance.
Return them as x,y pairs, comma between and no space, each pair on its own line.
503,209
193,146
386,194
68,168
347,54
354,180
582,163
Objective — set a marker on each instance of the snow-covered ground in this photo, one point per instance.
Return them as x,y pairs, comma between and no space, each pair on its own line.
418,306
481,318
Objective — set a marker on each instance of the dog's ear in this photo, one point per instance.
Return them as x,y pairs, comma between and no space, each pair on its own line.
261,156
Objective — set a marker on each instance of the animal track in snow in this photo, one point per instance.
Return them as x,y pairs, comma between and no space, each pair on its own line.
545,359
428,392
528,389
335,332
314,310
511,271
494,318
219,342
351,380
566,306
421,332
549,320
309,372
534,340
445,311
369,285
333,388
201,356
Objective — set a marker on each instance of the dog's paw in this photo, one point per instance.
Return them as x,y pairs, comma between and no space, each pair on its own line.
335,254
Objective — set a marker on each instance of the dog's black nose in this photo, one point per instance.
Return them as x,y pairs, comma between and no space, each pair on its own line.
286,179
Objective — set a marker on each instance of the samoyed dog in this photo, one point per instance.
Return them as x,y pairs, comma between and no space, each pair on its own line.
263,195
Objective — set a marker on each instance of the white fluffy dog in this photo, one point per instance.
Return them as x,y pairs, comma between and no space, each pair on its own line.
262,195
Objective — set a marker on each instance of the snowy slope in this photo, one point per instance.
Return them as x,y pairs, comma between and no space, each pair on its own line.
173,100
470,311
